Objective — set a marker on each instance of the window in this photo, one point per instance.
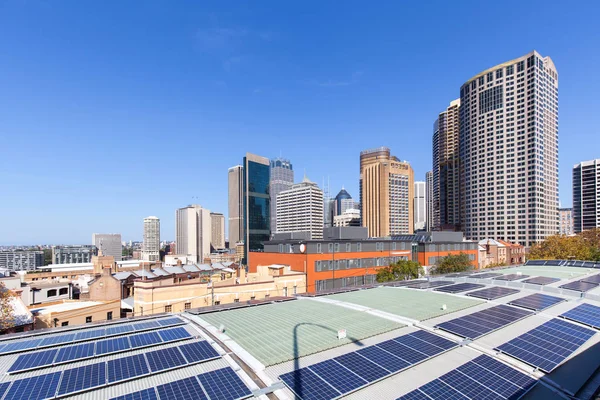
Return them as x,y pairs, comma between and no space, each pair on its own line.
51,293
348,247
319,248
168,308
330,247
88,319
217,302
337,247
379,246
236,300
510,70
63,291
109,316
280,248
358,246
187,306
66,323
490,99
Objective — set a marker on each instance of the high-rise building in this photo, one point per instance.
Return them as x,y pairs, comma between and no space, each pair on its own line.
419,206
509,151
21,260
343,202
217,240
257,203
282,178
565,221
193,232
586,195
151,244
386,193
446,169
109,244
300,209
429,201
350,217
236,205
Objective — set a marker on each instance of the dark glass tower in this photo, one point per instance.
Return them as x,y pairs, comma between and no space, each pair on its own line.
257,203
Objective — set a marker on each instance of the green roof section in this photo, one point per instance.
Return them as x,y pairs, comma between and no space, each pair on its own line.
410,303
547,271
279,332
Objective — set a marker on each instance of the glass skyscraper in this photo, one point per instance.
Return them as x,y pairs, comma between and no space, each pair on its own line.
282,178
257,203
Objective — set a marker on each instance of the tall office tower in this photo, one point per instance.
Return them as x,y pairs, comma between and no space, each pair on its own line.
300,209
386,193
217,222
236,205
109,243
565,221
343,202
282,178
257,203
509,151
429,201
151,245
419,206
193,232
446,169
586,195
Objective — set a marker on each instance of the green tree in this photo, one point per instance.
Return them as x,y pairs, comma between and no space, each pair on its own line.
401,270
47,257
6,309
452,263
563,248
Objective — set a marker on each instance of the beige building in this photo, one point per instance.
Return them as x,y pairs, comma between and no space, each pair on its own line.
217,231
193,232
73,312
236,205
565,222
387,192
300,209
350,217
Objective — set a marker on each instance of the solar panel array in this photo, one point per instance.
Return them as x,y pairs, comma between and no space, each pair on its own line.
410,282
221,384
541,280
483,322
430,284
344,374
481,378
511,277
564,263
586,314
493,293
548,345
85,335
592,279
100,348
579,286
537,301
459,287
458,274
79,379
486,275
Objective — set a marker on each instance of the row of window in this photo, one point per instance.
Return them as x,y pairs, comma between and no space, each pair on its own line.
330,265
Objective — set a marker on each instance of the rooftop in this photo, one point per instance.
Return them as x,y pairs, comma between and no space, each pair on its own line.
66,306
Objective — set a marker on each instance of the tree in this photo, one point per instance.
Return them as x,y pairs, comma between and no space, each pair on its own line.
6,308
401,270
558,247
47,256
453,263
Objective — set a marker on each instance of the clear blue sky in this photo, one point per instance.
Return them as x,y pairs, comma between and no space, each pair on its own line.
112,111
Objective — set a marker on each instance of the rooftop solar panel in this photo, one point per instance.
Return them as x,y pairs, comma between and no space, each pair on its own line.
334,373
436,340
144,339
91,334
3,388
54,340
174,334
127,367
112,345
164,359
170,321
36,387
592,279
541,280
24,345
537,301
511,277
224,384
430,284
458,274
79,351
198,351
493,293
403,352
486,275
417,344
459,287
579,286
118,330
146,394
546,346
33,360
410,282
188,388
362,367
383,358
509,374
82,378
586,314
141,326
307,385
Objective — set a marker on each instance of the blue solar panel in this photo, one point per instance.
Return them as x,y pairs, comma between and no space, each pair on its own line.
145,325
144,339
546,346
439,390
486,275
442,343
82,378
586,314
169,335
307,385
337,376
418,344
579,286
118,330
362,367
33,360
383,358
18,346
492,293
112,345
188,388
224,384
507,373
406,353
53,340
90,334
537,301
3,388
429,284
127,367
541,280
198,351
415,395
165,359
459,287
511,277
467,385
79,351
592,279
170,321
34,388
146,394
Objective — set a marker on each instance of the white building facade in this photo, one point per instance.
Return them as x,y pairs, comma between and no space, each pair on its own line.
193,232
419,206
151,245
300,209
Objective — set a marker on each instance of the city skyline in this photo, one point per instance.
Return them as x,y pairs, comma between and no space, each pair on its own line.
283,110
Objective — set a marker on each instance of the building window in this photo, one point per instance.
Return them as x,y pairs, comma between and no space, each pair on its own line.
236,300
394,246
88,319
330,247
168,308
337,248
281,248
51,293
348,247
217,302
63,291
109,316
187,306
379,246
252,297
358,246
319,248
66,323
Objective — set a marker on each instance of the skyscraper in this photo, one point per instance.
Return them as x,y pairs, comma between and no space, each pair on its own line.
300,209
343,202
429,200
282,178
586,195
256,203
446,169
236,205
109,244
509,151
151,245
386,193
193,232
217,222
419,206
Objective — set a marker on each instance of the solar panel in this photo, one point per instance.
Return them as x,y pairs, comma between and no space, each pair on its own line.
410,282
145,325
165,359
458,274
91,334
579,286
430,284
112,345
198,351
224,384
362,367
546,346
493,293
144,339
405,353
169,335
536,262
37,387
188,388
18,346
307,385
439,341
592,279
459,287
127,367
33,360
509,374
3,388
511,277
53,340
417,344
82,378
486,275
483,322
541,280
586,314
537,301
383,358
342,379
146,394
170,321
118,330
